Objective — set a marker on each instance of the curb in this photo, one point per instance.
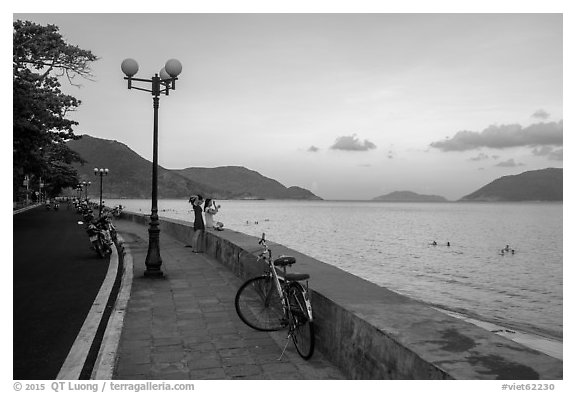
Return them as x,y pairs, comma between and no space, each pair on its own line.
104,364
76,358
14,212
106,361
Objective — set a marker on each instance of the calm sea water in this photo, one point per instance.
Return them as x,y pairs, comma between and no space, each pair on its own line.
390,244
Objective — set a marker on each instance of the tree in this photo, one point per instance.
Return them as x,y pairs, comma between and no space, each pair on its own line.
40,127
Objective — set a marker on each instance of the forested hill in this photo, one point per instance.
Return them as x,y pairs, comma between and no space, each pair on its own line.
245,183
130,176
409,196
539,185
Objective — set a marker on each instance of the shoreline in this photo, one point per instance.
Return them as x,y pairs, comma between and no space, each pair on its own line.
542,344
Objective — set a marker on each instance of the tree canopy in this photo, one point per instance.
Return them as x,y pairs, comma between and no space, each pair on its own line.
41,57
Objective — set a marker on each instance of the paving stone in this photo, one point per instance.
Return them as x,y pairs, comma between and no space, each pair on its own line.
237,360
208,373
192,342
202,347
136,358
243,371
176,370
131,377
206,362
277,367
168,341
125,367
167,357
231,352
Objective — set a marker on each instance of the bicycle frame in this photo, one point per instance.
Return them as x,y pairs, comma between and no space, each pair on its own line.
308,303
267,256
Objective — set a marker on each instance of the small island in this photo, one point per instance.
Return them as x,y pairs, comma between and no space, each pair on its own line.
409,196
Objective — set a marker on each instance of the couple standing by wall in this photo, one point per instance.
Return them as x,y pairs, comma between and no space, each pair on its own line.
210,209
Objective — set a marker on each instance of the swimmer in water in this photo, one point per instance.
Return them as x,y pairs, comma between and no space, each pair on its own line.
448,244
434,243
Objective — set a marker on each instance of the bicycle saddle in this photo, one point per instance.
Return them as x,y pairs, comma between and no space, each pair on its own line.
284,260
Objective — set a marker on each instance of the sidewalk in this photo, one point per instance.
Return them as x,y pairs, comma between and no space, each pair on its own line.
185,326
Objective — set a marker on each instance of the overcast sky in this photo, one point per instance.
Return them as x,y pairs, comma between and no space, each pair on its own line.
350,106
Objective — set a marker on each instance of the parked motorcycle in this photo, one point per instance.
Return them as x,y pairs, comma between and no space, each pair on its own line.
117,211
101,234
87,215
105,222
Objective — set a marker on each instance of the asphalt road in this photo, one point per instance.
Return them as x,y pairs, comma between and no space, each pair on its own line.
56,278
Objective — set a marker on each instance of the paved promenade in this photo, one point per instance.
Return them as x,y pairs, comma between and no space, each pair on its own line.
184,326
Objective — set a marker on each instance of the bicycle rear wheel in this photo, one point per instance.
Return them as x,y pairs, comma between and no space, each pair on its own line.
302,327
259,306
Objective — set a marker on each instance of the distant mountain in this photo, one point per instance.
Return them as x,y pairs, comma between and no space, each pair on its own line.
245,183
539,185
130,176
409,196
295,192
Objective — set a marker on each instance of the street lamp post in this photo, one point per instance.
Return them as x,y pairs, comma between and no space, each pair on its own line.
160,84
102,172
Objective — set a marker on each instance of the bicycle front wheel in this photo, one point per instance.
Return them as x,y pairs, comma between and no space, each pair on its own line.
259,306
300,324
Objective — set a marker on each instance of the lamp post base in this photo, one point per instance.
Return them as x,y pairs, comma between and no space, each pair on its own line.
154,274
153,259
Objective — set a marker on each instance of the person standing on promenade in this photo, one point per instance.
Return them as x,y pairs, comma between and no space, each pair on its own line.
197,238
210,209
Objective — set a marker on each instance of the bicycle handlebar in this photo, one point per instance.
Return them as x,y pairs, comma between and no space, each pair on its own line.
262,242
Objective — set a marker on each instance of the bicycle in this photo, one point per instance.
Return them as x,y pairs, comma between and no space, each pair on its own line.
271,302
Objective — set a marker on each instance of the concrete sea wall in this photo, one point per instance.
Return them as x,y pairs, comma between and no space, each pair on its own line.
370,332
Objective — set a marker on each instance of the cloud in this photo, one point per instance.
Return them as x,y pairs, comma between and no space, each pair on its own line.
509,164
483,156
352,143
541,114
549,152
501,137
313,149
480,157
556,155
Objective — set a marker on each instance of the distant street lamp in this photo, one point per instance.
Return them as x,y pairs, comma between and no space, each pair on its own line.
27,183
41,185
86,184
160,85
102,172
